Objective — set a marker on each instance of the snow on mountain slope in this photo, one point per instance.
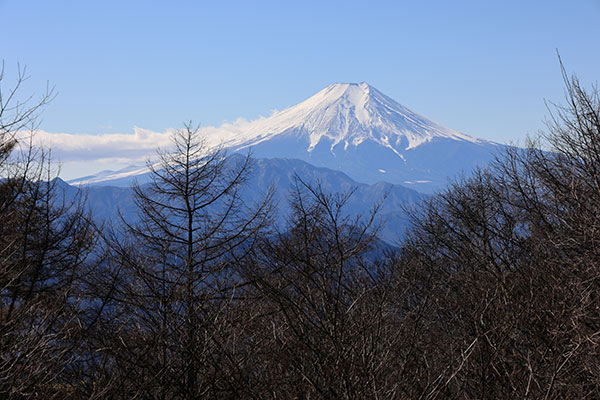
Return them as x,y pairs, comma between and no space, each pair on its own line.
112,176
356,129
349,113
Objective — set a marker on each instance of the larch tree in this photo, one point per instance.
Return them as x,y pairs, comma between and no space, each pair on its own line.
178,259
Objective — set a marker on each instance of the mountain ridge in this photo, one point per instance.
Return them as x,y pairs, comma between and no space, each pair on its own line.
104,200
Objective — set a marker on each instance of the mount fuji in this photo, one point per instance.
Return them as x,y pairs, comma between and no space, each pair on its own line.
356,129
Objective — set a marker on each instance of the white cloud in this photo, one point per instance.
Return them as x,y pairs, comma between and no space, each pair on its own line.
82,153
118,147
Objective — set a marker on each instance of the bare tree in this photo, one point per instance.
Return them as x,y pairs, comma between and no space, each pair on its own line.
179,276
319,312
18,114
45,242
508,266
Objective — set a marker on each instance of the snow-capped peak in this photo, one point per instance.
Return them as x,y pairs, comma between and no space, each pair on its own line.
348,114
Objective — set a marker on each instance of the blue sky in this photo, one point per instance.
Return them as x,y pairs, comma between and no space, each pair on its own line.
481,67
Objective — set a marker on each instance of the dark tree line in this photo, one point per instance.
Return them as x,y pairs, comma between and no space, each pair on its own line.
493,294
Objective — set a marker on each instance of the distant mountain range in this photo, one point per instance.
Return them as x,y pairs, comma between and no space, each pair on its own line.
356,129
105,201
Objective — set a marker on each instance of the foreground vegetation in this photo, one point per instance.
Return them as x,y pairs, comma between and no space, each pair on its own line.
493,294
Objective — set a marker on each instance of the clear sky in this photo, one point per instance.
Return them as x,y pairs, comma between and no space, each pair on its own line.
480,67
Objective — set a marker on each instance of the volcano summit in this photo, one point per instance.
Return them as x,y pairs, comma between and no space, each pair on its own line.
356,129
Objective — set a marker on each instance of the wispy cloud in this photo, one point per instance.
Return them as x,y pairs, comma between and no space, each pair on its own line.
109,147
83,154
122,147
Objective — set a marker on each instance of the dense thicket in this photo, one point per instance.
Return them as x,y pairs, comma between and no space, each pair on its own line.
509,269
46,244
493,294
